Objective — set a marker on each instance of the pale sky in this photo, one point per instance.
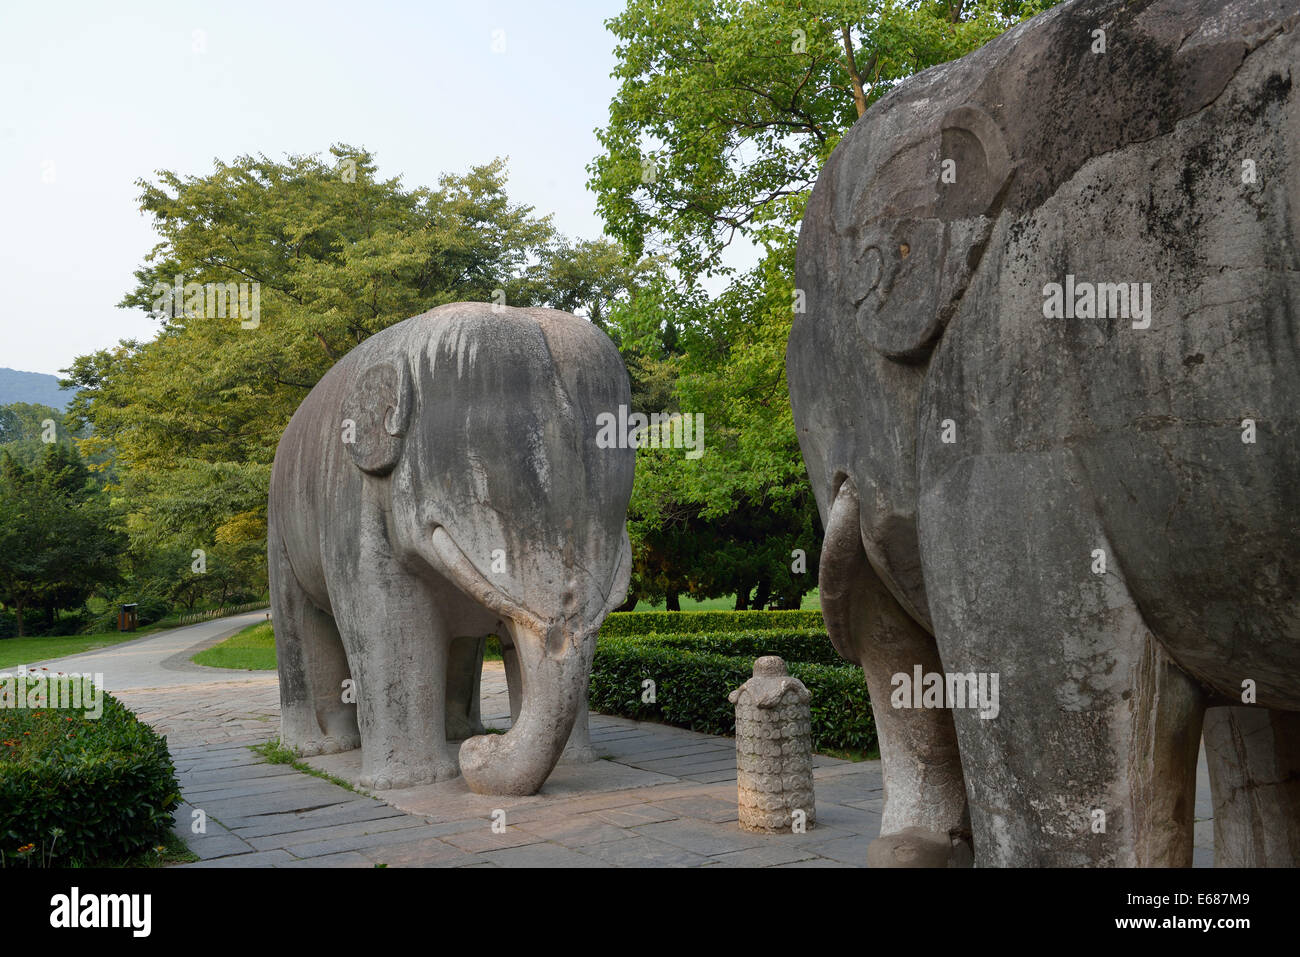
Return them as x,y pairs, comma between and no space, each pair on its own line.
97,95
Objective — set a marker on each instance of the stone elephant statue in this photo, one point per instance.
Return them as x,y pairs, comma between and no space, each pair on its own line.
1045,387
443,483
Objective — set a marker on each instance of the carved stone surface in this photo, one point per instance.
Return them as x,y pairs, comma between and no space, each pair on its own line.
774,777
441,483
1091,492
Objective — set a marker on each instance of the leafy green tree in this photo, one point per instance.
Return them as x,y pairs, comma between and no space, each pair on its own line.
725,113
194,415
727,110
28,429
58,541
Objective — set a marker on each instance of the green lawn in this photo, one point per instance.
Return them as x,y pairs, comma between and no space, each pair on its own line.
811,601
252,649
25,651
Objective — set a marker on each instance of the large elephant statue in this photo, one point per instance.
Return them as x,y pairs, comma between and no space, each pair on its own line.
1046,387
443,483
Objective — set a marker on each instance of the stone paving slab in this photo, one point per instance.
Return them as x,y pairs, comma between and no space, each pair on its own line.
658,796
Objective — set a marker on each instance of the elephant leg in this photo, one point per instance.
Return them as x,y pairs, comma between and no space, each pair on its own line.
924,821
464,677
314,718
399,649
1254,763
579,749
514,680
1086,754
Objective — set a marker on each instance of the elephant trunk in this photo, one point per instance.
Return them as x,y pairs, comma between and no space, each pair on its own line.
555,668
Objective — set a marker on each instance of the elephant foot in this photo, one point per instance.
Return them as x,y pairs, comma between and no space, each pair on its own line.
329,744
458,729
919,847
583,755
397,774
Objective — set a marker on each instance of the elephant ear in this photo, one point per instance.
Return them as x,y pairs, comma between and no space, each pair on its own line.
974,142
928,258
378,408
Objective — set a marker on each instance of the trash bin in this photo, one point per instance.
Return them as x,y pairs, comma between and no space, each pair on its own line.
127,618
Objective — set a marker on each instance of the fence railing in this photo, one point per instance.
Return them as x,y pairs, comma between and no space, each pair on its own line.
222,612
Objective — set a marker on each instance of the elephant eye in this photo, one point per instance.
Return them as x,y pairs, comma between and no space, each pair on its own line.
904,249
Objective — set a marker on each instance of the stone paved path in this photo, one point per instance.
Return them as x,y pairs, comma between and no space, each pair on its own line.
161,660
657,797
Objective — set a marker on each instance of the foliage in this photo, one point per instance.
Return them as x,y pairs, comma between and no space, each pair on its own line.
691,689
808,645
86,790
621,623
727,110
725,113
27,430
58,540
194,415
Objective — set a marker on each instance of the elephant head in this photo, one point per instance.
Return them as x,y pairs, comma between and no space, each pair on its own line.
893,233
482,423
910,221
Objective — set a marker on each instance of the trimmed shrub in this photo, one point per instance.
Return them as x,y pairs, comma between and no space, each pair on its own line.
620,623
79,789
807,645
691,689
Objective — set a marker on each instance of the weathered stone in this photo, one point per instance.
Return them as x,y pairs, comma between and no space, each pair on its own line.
1095,501
441,483
917,847
774,780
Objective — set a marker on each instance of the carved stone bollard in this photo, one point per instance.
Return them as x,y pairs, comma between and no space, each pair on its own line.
773,750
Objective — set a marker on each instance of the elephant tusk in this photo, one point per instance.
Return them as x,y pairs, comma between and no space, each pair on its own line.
464,573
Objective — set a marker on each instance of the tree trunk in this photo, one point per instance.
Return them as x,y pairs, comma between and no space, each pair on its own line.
674,603
859,96
630,604
18,606
764,592
742,596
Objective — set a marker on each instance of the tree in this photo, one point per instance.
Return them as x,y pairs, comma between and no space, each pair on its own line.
725,114
57,537
337,254
727,110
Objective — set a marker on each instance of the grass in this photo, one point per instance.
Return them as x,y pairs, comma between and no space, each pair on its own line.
171,850
811,602
855,755
252,649
24,651
276,753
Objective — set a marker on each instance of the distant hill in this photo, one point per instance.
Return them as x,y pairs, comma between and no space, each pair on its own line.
33,387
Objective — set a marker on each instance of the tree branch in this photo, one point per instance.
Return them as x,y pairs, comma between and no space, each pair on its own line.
326,346
859,98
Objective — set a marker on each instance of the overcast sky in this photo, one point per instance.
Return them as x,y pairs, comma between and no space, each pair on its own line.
97,95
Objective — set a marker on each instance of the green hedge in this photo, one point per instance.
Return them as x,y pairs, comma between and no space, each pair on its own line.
691,689
807,645
82,790
622,623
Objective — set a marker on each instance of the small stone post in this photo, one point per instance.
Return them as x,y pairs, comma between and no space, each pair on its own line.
774,750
